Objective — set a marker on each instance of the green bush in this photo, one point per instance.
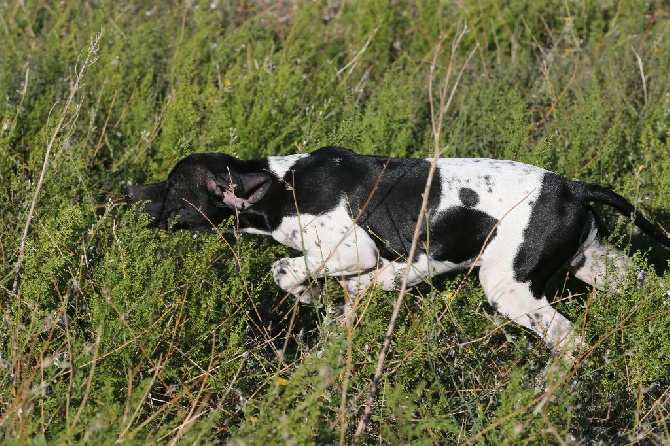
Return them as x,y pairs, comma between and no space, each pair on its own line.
115,333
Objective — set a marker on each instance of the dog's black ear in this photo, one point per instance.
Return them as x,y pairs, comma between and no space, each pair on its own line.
238,190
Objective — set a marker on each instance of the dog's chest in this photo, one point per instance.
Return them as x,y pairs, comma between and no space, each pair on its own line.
324,231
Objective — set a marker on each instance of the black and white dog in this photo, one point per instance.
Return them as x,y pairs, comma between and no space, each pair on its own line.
353,217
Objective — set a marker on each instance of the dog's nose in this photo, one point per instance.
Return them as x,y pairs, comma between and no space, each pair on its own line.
130,195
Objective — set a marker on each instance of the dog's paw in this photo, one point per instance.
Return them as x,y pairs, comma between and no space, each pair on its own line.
309,294
285,276
569,349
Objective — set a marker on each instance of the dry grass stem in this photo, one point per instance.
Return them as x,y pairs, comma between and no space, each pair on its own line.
438,122
91,57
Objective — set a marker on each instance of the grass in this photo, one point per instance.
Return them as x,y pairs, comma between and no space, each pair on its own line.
115,333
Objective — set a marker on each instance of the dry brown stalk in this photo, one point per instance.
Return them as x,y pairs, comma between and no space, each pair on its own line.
437,124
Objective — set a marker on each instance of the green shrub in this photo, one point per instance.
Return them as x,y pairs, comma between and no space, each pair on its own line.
115,333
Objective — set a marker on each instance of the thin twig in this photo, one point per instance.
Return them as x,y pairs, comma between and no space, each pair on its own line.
157,370
74,89
353,62
644,79
98,146
89,381
181,429
345,383
445,102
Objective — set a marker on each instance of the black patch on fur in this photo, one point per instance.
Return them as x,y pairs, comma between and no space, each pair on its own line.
459,233
392,186
468,197
558,225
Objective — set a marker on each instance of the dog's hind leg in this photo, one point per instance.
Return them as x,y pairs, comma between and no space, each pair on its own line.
516,301
603,266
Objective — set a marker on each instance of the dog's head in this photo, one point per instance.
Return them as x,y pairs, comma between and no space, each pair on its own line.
201,192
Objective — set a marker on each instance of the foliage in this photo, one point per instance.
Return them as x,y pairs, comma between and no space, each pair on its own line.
113,332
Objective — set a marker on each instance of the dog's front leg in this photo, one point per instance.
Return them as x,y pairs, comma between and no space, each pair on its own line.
389,275
293,275
297,275
333,245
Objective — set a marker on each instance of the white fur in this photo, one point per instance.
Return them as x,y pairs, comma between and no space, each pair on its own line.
279,165
332,245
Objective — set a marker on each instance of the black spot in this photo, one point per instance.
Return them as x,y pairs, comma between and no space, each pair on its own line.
556,229
459,234
468,197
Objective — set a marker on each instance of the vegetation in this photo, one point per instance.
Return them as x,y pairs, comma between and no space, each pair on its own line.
113,332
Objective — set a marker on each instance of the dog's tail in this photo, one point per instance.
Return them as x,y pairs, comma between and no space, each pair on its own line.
592,192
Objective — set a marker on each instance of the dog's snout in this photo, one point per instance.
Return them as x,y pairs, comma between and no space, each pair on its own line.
129,194
149,192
